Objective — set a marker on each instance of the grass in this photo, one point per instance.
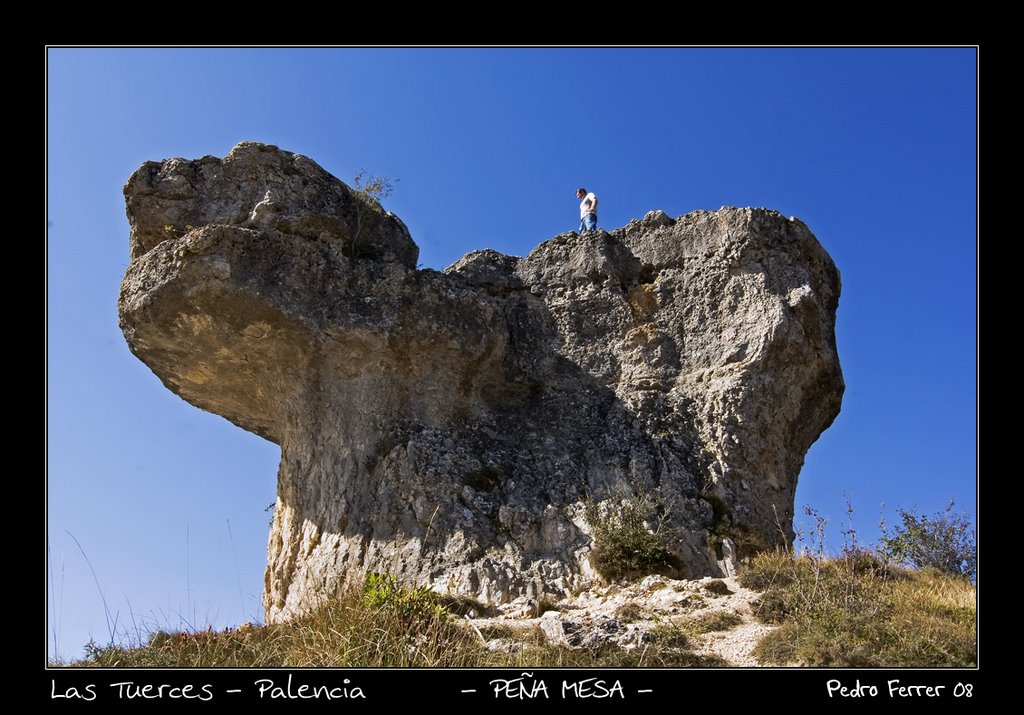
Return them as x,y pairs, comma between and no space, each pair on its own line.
714,621
677,639
381,626
853,611
857,611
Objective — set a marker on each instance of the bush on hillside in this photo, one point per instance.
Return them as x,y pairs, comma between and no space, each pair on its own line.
944,541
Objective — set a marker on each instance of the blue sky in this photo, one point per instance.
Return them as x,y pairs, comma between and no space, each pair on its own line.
875,149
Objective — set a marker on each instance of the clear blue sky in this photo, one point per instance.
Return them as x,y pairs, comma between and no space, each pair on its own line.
874,149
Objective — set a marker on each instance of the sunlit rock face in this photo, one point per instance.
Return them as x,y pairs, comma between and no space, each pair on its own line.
462,429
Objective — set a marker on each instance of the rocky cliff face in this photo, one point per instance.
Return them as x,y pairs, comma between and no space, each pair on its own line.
467,429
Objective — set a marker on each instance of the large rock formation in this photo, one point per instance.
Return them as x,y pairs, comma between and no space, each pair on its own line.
465,429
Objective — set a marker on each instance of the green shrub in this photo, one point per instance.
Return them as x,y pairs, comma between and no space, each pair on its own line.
944,540
382,591
631,537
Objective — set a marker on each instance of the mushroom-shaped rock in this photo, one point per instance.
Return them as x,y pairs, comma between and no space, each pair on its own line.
485,430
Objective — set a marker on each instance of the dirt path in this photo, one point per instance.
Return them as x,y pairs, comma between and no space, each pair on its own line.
626,616
735,645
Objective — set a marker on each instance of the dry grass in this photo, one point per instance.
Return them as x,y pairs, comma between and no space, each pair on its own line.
859,612
677,638
629,612
357,630
852,611
714,621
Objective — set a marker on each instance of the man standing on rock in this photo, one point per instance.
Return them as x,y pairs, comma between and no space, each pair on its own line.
588,210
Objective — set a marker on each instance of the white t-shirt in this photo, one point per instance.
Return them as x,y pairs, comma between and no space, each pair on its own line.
588,201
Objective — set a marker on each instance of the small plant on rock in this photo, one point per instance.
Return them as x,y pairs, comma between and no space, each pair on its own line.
369,191
382,591
631,538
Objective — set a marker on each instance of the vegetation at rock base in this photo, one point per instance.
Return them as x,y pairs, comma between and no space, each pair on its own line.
856,611
381,626
863,609
860,609
630,536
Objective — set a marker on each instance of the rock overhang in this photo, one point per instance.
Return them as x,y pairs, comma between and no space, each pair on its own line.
450,427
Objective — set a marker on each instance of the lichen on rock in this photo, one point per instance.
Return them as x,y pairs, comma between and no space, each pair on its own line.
456,428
